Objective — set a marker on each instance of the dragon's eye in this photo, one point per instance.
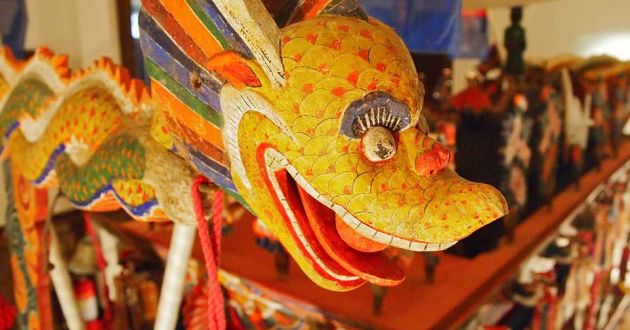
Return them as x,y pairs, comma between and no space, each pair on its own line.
378,144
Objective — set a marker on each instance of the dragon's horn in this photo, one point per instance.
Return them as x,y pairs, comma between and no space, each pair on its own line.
255,26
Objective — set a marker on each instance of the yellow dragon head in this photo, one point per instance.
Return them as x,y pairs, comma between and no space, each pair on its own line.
315,126
334,161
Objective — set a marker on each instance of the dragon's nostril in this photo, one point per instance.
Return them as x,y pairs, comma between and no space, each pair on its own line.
444,154
434,160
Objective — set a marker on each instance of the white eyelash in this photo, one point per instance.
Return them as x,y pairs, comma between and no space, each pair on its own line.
379,117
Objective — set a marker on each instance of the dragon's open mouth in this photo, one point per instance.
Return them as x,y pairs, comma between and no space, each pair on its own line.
317,225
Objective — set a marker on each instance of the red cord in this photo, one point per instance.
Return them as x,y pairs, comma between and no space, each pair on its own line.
211,247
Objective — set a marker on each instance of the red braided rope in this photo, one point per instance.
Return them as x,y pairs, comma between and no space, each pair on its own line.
211,247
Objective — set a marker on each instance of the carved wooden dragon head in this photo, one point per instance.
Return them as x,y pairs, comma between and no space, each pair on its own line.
313,126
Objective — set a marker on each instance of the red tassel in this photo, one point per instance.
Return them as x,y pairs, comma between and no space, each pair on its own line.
211,246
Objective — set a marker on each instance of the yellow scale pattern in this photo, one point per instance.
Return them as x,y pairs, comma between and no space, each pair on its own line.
88,116
133,192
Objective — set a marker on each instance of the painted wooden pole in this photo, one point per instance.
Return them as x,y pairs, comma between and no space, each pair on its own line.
173,284
62,283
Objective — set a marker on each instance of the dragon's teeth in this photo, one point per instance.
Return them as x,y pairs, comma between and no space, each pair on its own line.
417,246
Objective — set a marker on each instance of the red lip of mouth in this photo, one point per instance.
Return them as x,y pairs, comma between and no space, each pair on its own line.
313,227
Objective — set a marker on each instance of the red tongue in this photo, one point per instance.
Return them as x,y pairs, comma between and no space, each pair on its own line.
375,268
356,240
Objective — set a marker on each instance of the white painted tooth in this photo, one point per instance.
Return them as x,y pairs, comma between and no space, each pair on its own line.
300,180
351,221
381,238
418,246
366,231
440,247
399,243
339,210
291,171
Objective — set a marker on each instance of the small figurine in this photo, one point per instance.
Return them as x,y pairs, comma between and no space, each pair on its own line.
85,291
515,43
149,293
524,294
577,121
443,87
401,257
282,262
562,250
602,119
516,154
548,147
578,291
431,260
83,261
266,240
619,106
546,310
546,113
378,294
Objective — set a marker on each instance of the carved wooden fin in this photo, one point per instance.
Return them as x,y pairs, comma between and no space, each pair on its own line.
286,12
255,26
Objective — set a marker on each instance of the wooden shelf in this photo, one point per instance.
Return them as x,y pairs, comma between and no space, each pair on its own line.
461,285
